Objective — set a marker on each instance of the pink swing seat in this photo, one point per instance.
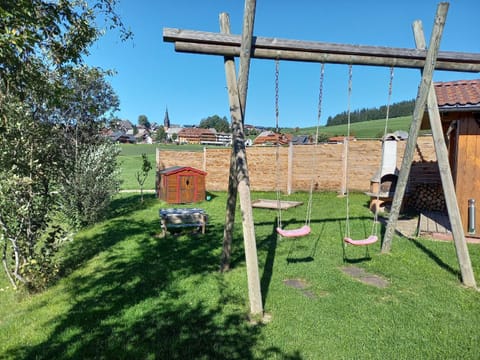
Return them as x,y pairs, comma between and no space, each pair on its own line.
364,242
303,231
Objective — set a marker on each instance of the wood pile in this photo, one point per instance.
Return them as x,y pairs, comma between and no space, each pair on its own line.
427,197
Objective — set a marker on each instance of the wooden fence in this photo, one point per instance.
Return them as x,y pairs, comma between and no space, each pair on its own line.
298,165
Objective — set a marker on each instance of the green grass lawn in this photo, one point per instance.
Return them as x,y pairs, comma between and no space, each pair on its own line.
128,294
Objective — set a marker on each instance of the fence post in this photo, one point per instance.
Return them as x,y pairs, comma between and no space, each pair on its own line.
290,169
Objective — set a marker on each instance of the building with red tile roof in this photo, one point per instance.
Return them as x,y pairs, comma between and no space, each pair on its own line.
454,95
272,138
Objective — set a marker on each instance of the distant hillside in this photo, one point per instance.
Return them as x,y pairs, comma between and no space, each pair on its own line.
400,109
363,130
369,129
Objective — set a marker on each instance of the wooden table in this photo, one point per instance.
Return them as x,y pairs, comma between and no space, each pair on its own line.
186,217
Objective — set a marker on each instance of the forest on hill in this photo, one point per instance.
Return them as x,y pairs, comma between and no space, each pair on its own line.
403,108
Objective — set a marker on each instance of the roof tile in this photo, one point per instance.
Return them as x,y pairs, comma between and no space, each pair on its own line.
458,93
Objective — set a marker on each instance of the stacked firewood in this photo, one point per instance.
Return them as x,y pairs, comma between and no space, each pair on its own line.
427,197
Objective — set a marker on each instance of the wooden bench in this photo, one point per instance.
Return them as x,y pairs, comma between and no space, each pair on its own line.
188,217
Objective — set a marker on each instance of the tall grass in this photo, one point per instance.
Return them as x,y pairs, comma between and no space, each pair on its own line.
129,294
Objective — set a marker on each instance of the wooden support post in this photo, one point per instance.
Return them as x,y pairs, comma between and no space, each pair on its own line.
253,278
157,168
441,151
239,167
290,169
236,117
418,112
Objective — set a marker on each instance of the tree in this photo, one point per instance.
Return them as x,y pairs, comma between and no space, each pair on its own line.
143,120
216,122
322,137
143,173
403,108
88,174
40,32
160,134
50,110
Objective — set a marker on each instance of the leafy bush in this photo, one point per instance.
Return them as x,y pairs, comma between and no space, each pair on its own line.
85,197
43,266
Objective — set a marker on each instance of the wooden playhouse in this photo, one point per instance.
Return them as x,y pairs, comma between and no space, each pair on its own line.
181,185
459,107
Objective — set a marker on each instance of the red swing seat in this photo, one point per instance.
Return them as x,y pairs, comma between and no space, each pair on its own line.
303,231
364,242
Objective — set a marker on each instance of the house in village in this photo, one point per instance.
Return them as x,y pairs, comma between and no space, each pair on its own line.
125,126
272,138
194,135
123,138
340,139
302,140
172,132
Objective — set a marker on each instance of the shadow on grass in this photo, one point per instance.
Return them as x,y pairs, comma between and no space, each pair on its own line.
293,252
271,243
139,298
348,249
435,258
357,260
418,244
125,205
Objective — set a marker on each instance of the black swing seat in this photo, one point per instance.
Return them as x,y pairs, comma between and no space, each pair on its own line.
303,231
363,242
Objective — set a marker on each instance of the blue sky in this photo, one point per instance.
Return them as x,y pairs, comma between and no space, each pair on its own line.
151,76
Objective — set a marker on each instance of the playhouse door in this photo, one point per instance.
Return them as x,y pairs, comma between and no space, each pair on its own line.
187,189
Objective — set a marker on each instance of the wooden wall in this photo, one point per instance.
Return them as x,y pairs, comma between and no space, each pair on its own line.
467,174
325,160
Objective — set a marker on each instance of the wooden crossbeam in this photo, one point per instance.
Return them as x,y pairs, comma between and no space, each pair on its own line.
210,43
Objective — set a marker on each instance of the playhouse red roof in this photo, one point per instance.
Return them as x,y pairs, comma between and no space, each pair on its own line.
175,169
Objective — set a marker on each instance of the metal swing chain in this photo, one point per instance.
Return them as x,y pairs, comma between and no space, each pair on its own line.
319,115
347,139
320,101
277,146
277,75
387,117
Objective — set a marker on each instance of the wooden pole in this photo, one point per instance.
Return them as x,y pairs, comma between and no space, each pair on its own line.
295,50
243,181
204,163
236,118
441,151
418,112
290,169
157,169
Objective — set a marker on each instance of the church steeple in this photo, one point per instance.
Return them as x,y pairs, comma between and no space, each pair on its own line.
166,120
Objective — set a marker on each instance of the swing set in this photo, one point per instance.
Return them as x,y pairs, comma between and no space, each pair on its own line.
373,238
425,57
305,229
